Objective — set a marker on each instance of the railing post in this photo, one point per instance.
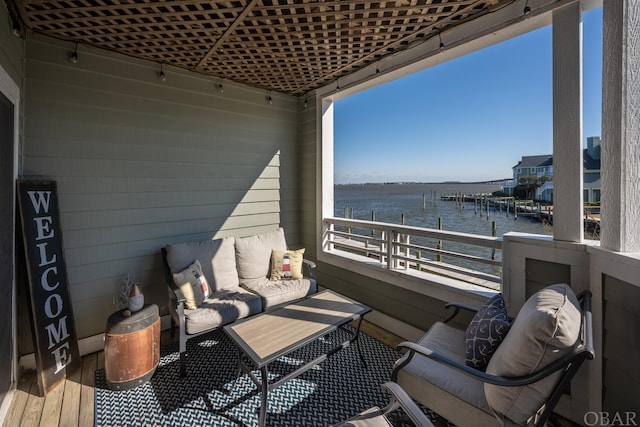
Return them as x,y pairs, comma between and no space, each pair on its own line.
439,241
390,249
373,219
493,233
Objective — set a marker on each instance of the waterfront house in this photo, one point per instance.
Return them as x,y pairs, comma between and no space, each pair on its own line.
166,122
540,168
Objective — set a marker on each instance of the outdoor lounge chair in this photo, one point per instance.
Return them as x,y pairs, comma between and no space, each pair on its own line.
376,417
526,375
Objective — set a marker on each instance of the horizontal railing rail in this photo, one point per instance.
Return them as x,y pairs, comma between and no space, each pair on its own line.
470,257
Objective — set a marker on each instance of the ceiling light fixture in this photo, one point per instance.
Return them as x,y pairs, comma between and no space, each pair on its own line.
305,103
74,55
527,9
16,28
377,69
162,75
269,98
440,38
220,87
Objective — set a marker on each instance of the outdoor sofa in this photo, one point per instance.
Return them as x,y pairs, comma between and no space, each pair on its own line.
216,282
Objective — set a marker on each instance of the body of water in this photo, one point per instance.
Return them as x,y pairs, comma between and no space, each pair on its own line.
390,201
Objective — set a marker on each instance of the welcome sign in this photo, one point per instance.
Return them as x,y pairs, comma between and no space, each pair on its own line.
54,331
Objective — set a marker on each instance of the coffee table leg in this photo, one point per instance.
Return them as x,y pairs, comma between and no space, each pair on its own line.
364,363
238,370
262,418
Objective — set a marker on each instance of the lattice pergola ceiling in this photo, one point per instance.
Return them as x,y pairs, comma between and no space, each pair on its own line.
291,46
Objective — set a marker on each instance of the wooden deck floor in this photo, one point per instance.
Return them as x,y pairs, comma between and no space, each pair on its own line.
72,404
69,404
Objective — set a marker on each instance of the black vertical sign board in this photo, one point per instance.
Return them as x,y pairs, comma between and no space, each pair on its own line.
54,332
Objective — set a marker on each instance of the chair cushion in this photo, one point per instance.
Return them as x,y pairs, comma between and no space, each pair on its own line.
546,328
372,417
450,393
193,285
217,259
274,292
253,253
221,308
485,332
286,265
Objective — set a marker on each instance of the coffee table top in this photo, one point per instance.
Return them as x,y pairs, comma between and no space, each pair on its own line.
270,335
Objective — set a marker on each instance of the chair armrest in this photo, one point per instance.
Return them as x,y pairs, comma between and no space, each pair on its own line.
562,363
400,398
175,292
311,267
456,309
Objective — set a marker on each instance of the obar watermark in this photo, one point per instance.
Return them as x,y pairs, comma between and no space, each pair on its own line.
628,418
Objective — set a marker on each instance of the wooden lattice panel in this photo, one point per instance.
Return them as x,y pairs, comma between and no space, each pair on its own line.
291,46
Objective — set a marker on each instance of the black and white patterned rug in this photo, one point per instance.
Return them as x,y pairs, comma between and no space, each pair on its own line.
211,395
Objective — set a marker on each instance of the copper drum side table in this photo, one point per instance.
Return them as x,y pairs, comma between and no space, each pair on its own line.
131,347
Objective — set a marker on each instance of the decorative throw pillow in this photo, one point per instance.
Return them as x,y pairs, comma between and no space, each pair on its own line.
193,285
485,332
286,265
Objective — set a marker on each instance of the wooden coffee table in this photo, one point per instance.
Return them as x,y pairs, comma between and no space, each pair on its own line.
264,338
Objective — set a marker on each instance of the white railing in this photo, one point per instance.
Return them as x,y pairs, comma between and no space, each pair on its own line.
469,257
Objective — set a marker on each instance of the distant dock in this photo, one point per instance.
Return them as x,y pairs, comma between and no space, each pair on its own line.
521,208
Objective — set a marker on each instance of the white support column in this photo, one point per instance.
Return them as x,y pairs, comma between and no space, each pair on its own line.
620,221
567,124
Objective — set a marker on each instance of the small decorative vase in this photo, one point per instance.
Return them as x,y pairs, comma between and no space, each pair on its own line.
136,298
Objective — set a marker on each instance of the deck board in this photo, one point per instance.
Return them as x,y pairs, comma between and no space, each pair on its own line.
52,406
71,403
89,366
33,409
16,409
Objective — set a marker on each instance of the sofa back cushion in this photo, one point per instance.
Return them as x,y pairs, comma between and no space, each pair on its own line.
217,259
546,328
253,253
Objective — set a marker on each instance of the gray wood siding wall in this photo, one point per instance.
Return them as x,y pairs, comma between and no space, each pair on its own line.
308,178
11,47
141,163
621,351
417,310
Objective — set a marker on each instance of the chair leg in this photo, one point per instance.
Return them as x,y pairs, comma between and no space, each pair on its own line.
183,353
183,364
183,340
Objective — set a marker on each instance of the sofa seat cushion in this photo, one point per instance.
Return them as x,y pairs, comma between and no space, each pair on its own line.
217,259
546,328
274,292
253,253
436,386
221,308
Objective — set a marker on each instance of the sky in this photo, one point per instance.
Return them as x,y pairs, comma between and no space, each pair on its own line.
470,119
